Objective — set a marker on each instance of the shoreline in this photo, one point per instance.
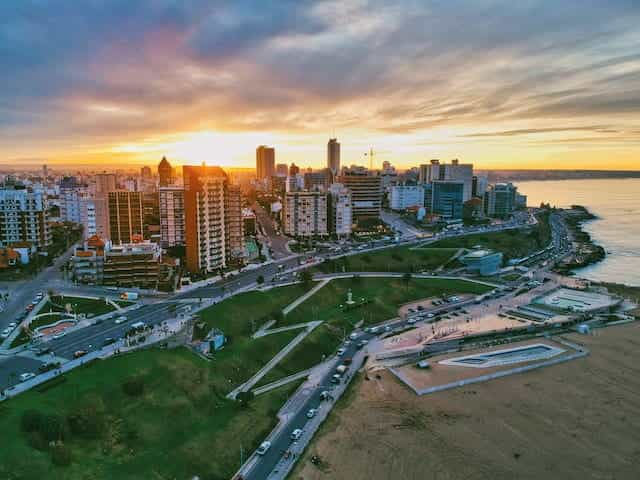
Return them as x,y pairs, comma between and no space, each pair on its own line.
588,252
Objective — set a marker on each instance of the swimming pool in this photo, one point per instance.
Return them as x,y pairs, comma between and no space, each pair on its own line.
506,356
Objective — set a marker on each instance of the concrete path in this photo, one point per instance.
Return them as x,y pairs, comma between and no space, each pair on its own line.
283,381
274,361
304,297
263,332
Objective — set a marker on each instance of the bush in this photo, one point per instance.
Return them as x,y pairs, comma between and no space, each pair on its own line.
89,420
61,455
36,440
134,386
53,428
31,421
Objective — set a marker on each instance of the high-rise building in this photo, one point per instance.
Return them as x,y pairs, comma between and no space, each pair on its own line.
282,170
340,213
294,170
145,172
333,156
23,218
105,183
45,171
171,216
233,226
204,202
125,217
265,162
305,214
447,198
406,196
500,199
317,180
88,217
455,171
479,186
366,192
165,173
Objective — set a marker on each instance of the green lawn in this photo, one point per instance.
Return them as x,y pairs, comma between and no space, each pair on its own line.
95,306
512,243
179,426
397,259
385,295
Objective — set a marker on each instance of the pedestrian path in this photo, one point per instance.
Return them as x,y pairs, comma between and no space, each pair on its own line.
283,381
304,297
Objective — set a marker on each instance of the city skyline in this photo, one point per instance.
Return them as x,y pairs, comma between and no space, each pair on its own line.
533,85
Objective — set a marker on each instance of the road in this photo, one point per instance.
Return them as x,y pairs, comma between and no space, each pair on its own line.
276,241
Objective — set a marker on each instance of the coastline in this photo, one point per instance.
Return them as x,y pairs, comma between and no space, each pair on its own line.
587,252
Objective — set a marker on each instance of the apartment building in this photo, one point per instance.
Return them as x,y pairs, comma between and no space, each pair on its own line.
172,223
126,223
23,218
305,214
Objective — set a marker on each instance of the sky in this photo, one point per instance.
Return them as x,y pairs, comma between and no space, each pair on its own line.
501,84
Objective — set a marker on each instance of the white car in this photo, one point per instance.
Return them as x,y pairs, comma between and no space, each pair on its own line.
27,376
262,449
296,434
311,413
341,351
120,320
430,315
411,321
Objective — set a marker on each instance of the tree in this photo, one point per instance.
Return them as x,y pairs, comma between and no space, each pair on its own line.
245,397
306,278
260,279
406,278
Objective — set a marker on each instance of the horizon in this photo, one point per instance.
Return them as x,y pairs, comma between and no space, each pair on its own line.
532,85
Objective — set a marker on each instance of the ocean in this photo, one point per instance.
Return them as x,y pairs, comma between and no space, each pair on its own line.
616,203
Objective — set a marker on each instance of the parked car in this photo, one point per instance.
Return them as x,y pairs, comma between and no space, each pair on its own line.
296,434
411,321
341,351
262,449
79,353
311,413
27,376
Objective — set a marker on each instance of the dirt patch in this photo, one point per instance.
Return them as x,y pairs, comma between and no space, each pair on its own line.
577,420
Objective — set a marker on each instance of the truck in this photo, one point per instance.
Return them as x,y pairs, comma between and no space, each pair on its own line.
129,296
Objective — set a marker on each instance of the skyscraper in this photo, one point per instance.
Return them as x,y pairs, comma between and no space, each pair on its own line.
165,172
265,162
333,156
125,217
233,231
366,192
447,198
204,218
171,216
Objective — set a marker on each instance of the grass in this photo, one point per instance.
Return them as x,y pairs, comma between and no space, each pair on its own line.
385,295
512,243
397,259
95,306
179,427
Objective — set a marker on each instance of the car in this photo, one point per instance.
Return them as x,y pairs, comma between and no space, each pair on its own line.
12,325
353,336
27,376
108,341
311,413
43,351
430,315
262,449
341,352
362,343
35,301
420,308
296,434
79,353
4,335
387,328
335,378
120,320
59,335
411,321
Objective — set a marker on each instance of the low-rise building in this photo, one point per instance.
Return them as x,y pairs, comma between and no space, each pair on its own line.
482,262
87,262
132,265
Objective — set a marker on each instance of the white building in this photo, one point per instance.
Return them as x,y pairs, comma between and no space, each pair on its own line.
23,218
340,210
88,217
305,214
406,196
171,216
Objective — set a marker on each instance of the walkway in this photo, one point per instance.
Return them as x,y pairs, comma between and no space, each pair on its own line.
304,297
283,381
274,361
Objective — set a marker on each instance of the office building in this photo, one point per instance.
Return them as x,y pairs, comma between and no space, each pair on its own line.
447,198
366,192
305,214
105,183
406,196
132,265
483,262
282,170
171,202
125,217
233,226
265,162
204,201
165,173
23,219
333,156
500,200
455,171
479,186
319,181
340,214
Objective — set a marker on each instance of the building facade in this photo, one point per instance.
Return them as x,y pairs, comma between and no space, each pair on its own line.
265,162
132,265
23,218
171,216
447,198
455,171
305,214
233,225
126,223
340,213
165,173
333,156
500,199
366,192
406,196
